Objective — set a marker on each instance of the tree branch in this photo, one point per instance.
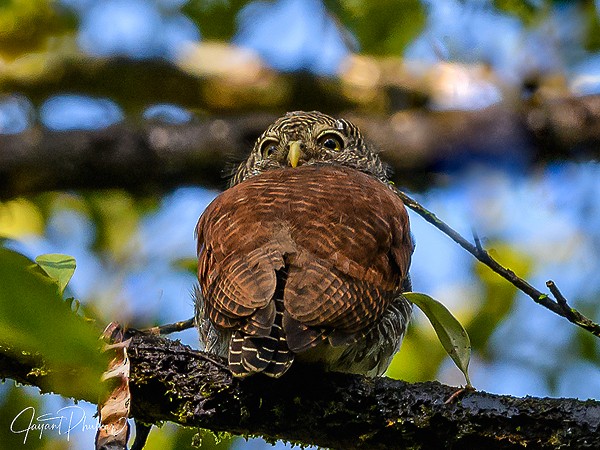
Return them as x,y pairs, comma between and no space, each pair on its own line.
153,156
171,382
558,306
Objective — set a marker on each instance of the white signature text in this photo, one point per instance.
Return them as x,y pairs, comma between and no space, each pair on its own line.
63,422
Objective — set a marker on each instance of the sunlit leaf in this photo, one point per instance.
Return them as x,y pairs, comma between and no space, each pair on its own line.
383,27
34,318
188,264
26,24
451,333
497,296
116,215
58,267
216,19
527,11
412,364
20,217
591,25
173,437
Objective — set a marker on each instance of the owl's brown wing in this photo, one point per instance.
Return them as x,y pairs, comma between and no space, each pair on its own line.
237,277
331,243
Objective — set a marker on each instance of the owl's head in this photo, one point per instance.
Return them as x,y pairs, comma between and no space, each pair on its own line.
310,138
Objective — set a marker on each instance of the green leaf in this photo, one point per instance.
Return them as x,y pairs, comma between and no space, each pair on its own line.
385,27
497,296
527,11
217,19
450,332
591,26
58,267
188,264
35,319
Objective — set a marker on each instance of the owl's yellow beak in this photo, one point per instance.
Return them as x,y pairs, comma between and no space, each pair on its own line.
294,153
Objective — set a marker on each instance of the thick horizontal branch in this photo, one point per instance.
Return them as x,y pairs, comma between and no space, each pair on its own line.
171,382
154,157
415,142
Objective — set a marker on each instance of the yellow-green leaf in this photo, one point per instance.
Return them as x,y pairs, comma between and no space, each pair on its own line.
450,332
58,267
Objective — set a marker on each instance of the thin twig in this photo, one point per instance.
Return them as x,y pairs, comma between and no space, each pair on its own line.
559,306
477,240
180,326
170,327
560,299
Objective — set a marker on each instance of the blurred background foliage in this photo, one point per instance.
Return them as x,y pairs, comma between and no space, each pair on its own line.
88,64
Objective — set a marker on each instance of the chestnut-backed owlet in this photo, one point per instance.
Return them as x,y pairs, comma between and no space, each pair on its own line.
305,257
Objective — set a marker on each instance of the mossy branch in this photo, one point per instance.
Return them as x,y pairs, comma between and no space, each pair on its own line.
172,382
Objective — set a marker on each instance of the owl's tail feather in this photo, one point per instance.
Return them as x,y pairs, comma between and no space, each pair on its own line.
269,355
249,354
283,357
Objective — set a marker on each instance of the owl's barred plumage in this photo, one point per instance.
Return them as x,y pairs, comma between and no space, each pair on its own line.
306,255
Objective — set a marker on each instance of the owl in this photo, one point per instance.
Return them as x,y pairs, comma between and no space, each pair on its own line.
304,258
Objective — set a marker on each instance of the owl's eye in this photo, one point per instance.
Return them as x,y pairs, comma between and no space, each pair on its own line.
332,141
268,147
